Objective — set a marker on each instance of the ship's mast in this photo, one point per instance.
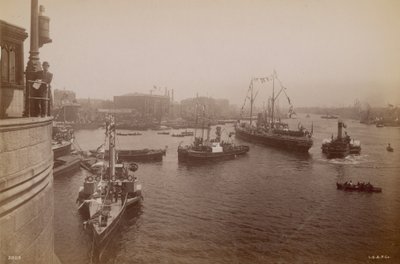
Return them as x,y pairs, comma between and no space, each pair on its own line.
251,101
197,115
251,98
64,113
268,111
202,127
208,132
273,100
111,137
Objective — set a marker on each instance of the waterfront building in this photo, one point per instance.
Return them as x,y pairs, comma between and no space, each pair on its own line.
65,106
67,113
147,106
63,97
216,108
26,157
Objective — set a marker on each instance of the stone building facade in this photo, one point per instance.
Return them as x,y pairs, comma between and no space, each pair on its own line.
146,105
12,70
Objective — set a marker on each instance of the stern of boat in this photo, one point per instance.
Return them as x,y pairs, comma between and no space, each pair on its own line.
182,153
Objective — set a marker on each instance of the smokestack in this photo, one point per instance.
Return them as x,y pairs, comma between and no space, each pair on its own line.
340,125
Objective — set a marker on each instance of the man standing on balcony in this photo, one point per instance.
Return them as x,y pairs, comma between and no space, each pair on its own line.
43,91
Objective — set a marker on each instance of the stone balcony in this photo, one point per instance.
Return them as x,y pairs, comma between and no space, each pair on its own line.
26,191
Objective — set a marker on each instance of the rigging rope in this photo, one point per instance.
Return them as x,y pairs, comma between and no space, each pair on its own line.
76,145
262,80
245,99
284,90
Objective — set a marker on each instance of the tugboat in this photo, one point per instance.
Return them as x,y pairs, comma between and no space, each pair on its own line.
327,116
209,150
184,134
104,198
187,133
130,134
389,148
359,187
341,146
272,132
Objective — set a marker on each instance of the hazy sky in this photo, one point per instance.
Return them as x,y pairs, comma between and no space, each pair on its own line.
327,53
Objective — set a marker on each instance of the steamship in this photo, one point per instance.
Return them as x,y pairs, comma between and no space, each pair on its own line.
269,130
341,146
210,150
104,197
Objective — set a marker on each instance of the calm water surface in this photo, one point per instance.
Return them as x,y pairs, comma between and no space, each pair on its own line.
270,206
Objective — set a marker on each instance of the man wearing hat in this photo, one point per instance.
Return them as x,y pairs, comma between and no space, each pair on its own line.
43,78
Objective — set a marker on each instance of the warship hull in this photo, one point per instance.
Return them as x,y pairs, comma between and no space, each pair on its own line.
298,144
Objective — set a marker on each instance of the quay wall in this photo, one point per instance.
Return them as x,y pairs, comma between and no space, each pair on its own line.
26,191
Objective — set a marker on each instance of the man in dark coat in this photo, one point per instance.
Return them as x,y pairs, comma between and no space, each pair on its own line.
44,78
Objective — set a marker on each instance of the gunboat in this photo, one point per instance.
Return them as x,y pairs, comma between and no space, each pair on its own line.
105,196
359,187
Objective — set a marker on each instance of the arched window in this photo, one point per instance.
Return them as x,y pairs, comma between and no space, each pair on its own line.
4,64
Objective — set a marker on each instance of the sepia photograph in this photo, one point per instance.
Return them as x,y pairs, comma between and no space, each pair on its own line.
199,131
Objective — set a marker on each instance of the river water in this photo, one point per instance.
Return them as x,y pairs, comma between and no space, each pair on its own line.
269,206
